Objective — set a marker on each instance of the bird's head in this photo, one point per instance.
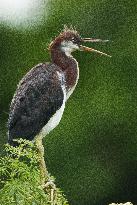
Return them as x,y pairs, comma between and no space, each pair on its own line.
69,40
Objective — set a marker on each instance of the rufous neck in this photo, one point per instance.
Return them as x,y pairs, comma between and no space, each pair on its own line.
67,64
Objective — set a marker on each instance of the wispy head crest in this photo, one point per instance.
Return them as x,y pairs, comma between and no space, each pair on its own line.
70,29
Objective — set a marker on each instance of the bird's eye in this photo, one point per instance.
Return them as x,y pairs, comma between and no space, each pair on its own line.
73,40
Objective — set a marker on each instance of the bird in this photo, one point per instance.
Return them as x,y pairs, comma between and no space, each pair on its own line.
41,95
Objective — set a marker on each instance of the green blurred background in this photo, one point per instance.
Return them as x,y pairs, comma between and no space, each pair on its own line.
93,152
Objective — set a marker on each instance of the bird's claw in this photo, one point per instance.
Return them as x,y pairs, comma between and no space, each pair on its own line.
50,184
50,187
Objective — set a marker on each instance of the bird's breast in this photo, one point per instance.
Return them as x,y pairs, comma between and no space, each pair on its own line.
69,67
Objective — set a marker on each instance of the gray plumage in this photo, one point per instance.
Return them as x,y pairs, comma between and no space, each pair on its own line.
38,96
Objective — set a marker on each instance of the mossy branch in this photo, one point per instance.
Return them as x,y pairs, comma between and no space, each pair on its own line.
20,178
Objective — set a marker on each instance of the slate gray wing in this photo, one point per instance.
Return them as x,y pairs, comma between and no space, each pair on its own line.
38,97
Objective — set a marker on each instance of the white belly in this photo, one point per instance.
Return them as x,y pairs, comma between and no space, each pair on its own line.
54,120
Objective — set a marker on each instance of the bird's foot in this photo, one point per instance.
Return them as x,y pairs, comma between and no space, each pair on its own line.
50,187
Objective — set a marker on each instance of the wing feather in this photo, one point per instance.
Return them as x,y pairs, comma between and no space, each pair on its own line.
39,95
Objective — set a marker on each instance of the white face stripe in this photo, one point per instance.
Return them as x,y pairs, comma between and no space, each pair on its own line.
68,46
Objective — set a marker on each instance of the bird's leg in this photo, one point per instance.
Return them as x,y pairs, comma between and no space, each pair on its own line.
45,181
51,188
42,165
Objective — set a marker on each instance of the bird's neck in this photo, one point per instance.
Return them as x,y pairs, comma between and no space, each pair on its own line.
68,65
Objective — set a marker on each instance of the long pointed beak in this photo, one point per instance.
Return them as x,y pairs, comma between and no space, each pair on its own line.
84,48
94,40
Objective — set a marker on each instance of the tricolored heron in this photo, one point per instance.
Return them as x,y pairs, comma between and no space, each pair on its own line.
39,101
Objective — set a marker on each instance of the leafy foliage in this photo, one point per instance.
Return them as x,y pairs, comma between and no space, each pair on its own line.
20,177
